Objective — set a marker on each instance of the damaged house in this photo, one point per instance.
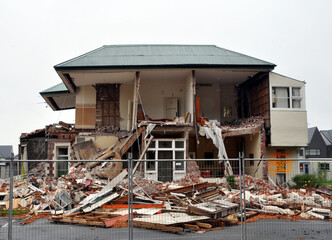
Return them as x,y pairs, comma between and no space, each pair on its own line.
197,101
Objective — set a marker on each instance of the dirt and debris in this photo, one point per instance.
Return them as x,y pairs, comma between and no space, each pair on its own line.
96,194
187,205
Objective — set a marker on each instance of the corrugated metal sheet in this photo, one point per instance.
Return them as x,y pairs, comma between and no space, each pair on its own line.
162,55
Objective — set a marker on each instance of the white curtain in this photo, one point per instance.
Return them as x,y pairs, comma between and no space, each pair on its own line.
282,95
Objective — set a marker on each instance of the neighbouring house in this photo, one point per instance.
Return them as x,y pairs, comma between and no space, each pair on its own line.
319,146
186,96
6,153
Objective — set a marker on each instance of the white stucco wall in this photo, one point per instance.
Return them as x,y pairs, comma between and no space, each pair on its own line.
86,95
288,126
155,92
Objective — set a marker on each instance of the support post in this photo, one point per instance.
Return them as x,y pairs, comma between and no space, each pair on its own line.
193,77
135,100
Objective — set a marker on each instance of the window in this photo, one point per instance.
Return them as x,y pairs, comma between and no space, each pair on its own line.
301,152
286,97
166,149
62,153
325,166
312,152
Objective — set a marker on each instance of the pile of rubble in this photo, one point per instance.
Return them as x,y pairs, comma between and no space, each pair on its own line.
191,204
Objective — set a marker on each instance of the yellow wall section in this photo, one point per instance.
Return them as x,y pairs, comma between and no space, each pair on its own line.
103,142
126,94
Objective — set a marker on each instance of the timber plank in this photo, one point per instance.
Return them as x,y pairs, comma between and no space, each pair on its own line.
157,226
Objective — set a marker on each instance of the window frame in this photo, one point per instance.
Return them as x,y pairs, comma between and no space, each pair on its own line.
173,148
290,98
324,166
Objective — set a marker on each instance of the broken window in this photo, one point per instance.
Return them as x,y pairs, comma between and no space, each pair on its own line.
286,97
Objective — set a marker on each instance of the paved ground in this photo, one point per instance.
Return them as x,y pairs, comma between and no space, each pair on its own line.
263,229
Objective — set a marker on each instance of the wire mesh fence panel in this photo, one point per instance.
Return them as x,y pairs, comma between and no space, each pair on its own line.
288,199
166,197
189,198
53,201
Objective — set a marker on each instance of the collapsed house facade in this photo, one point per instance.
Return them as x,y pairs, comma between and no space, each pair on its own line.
197,101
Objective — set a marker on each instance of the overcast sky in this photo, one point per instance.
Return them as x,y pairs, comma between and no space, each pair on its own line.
36,35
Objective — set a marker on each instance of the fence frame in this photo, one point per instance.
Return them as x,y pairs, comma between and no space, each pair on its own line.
241,160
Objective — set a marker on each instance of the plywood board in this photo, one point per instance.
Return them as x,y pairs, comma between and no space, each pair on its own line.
169,219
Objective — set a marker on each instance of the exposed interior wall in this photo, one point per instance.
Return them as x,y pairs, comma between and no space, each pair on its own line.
85,115
209,101
107,106
253,150
228,99
288,126
188,97
254,98
155,92
126,99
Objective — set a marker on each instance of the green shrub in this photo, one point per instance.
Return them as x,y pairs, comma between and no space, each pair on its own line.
305,180
231,181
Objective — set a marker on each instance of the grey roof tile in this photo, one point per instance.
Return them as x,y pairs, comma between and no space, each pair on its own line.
162,55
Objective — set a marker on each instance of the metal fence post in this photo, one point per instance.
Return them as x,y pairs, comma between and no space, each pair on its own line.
240,181
11,190
244,194
130,199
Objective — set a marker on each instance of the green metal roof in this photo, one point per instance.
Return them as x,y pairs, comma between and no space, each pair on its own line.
162,56
57,89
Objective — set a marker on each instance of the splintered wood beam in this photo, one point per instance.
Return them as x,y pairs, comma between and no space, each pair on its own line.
111,222
242,132
207,194
191,226
130,141
157,226
203,225
143,153
80,221
192,187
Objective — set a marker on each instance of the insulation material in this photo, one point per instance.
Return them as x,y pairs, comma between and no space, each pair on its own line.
214,133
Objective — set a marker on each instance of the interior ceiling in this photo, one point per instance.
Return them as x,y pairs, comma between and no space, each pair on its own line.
202,76
223,77
65,101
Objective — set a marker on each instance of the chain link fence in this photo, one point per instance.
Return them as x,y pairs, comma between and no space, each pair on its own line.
180,198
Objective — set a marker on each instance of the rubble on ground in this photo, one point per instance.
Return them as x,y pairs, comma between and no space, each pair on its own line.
190,204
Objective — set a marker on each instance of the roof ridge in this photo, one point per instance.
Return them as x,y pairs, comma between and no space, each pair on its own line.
135,45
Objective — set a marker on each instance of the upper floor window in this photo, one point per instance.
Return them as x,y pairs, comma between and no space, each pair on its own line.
286,97
312,151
